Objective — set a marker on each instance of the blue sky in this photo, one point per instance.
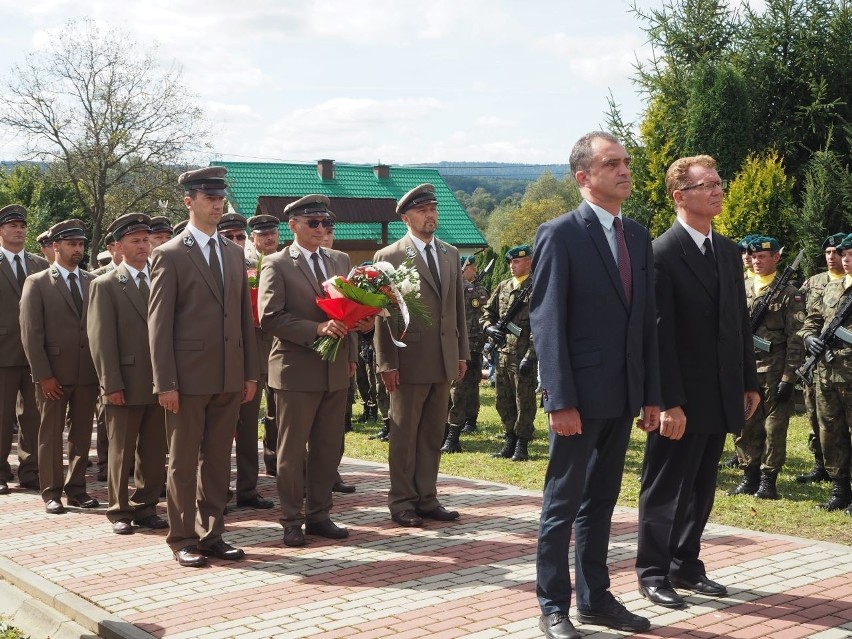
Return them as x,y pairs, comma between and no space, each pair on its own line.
367,80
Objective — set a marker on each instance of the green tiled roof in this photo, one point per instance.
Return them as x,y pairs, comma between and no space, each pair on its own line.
250,180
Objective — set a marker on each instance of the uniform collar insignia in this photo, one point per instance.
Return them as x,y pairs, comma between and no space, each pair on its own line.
122,278
224,240
410,252
441,247
294,252
188,240
54,273
2,256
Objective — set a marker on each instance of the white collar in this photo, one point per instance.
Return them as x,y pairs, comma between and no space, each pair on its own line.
697,236
606,218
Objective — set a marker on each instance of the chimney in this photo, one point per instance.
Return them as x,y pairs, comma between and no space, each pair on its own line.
381,171
325,169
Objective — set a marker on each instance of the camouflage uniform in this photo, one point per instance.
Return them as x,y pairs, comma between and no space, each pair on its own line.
516,402
763,441
365,375
833,382
465,395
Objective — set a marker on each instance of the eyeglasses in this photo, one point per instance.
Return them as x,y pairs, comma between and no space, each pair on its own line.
235,236
326,224
707,186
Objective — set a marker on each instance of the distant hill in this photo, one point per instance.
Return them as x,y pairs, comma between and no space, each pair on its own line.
501,179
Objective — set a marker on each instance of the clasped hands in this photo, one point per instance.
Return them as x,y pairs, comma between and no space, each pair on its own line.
337,329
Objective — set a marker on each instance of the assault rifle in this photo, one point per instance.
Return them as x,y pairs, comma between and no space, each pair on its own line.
479,276
759,311
505,324
805,372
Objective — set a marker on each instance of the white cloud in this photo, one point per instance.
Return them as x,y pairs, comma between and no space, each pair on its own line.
493,122
595,60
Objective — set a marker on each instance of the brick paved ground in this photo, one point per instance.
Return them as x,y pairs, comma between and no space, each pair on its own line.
473,578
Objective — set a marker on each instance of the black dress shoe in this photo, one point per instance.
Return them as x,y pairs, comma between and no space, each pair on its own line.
255,502
440,514
30,485
613,614
122,527
407,518
54,507
293,536
326,528
557,626
701,585
662,596
340,487
153,522
83,501
4,488
190,557
101,476
221,550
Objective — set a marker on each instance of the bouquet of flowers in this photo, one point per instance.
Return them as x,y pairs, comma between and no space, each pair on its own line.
253,282
370,290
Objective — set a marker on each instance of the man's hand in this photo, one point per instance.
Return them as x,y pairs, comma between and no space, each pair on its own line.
751,400
673,423
365,325
649,419
249,389
51,388
526,367
462,370
391,380
170,400
116,398
498,336
784,392
565,422
332,328
815,346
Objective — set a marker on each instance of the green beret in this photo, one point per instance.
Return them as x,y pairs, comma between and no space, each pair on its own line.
846,244
833,240
467,259
743,243
522,250
763,243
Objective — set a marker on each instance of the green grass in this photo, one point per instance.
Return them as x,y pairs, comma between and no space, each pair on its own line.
9,632
795,514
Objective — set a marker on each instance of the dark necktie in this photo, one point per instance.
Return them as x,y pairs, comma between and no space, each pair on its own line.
19,268
624,271
433,267
75,293
143,287
708,253
215,266
317,270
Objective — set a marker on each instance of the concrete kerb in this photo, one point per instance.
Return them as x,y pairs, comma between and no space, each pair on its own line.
53,609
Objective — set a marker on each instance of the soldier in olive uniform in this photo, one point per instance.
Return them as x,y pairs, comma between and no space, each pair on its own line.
812,290
464,404
834,382
516,365
762,445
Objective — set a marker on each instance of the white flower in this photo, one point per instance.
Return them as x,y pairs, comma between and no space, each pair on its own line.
384,267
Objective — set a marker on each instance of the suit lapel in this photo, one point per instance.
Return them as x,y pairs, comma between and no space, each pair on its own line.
85,279
302,264
696,262
419,263
6,270
193,250
131,289
58,281
443,268
596,232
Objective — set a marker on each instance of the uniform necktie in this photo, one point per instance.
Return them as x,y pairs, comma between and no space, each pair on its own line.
708,253
19,268
624,271
143,286
317,270
75,293
215,266
433,267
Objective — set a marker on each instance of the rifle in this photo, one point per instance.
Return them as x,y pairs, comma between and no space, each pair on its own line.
805,372
483,272
505,323
759,311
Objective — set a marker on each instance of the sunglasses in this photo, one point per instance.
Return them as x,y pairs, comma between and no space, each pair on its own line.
326,224
235,236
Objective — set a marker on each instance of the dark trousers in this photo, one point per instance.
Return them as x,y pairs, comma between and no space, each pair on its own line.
270,429
678,488
17,403
580,490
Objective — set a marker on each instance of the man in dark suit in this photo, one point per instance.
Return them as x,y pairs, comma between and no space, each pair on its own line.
204,359
135,422
593,317
709,384
54,306
16,265
418,376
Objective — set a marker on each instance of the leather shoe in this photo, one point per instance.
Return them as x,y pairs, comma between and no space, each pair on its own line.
153,522
557,626
101,476
272,471
122,527
407,518
189,557
662,596
701,585
221,550
54,507
340,487
30,485
83,501
612,614
4,488
255,502
440,514
326,528
293,536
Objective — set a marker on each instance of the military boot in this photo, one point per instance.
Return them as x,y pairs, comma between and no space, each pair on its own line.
469,426
521,453
451,443
384,434
749,484
365,416
733,462
841,496
347,423
767,489
374,413
817,474
508,447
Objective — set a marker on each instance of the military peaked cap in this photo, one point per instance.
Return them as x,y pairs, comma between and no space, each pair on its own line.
309,205
422,194
209,180
129,223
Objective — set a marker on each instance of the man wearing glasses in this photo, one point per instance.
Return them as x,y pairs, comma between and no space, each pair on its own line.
708,381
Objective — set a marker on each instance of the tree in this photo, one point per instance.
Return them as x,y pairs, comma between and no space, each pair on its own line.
102,109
